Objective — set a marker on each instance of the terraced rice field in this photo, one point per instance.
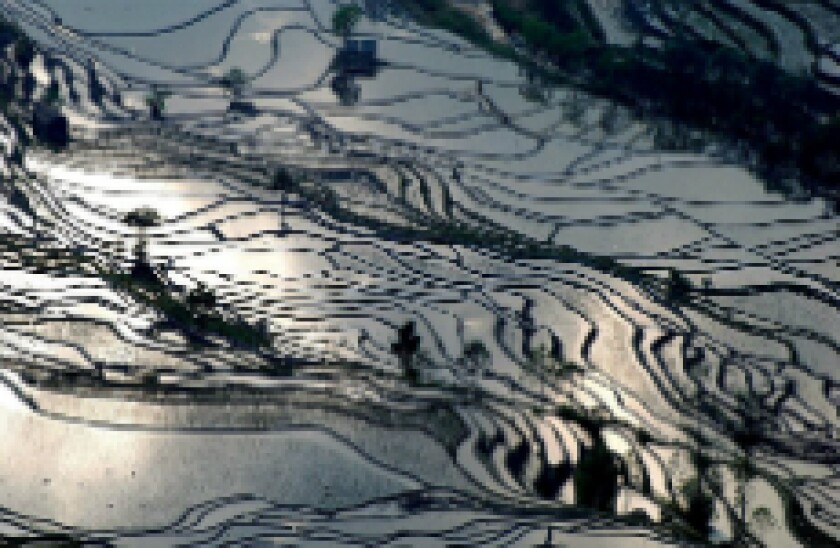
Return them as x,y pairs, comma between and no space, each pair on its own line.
445,194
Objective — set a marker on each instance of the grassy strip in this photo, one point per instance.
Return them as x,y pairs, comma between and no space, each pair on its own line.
69,262
193,322
496,238
151,293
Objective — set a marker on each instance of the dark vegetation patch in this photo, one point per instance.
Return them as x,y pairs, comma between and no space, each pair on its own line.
786,121
196,314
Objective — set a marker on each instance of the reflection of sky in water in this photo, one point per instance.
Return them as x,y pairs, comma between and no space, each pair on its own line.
249,47
323,285
150,15
102,477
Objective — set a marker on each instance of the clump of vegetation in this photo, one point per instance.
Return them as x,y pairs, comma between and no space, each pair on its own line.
52,95
552,27
197,313
763,519
17,87
474,360
149,379
677,287
234,81
699,509
10,33
405,348
475,357
596,477
156,101
598,469
24,47
541,361
200,300
753,424
345,19
49,125
692,510
744,471
283,180
193,313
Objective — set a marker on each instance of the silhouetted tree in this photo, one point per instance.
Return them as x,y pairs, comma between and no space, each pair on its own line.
678,287
156,101
142,219
699,508
406,347
282,179
24,52
596,478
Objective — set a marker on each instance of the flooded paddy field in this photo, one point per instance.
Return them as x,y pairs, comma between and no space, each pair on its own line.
665,305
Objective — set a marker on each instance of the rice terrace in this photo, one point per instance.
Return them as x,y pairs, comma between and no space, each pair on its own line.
420,273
